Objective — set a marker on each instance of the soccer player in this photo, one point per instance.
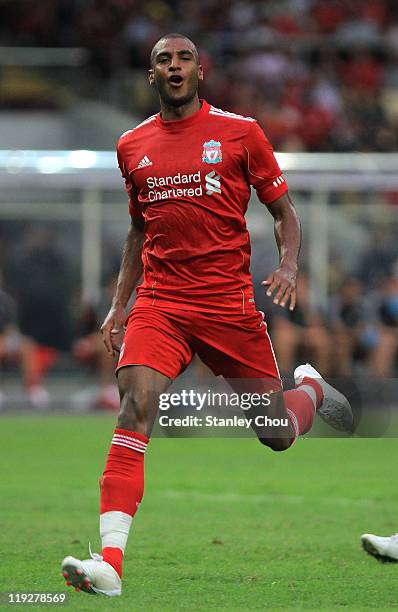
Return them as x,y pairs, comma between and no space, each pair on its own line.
384,549
188,172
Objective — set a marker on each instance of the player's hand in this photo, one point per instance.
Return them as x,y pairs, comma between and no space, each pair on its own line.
282,284
112,327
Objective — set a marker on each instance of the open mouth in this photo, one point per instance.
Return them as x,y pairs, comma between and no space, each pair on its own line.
176,80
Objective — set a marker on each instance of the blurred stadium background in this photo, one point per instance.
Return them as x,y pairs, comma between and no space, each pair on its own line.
322,79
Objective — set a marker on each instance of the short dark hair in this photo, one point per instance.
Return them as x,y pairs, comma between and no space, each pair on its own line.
173,35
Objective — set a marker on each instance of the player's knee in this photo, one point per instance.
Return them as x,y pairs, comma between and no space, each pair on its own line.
133,411
276,444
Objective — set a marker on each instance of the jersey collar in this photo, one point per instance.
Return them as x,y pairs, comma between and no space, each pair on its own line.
180,124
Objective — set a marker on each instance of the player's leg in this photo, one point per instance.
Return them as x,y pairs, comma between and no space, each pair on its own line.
139,389
153,341
122,482
239,348
285,416
269,420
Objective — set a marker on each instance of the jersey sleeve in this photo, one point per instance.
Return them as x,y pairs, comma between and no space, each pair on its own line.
262,169
132,192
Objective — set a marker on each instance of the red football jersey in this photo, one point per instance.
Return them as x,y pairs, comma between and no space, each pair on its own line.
190,181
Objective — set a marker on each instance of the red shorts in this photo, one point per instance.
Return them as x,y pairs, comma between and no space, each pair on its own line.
234,345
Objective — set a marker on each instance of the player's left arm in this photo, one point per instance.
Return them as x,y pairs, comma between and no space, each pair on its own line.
282,283
264,174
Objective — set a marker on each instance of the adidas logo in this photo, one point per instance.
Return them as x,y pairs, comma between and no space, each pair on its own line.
144,162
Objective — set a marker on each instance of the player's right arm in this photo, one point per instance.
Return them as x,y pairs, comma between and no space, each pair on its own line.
131,268
129,275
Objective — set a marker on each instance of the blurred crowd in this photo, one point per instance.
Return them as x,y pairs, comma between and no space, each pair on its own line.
45,325
356,335
320,75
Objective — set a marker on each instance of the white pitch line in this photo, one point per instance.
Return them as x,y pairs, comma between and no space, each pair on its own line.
259,498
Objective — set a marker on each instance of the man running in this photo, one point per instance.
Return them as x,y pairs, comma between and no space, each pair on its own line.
188,172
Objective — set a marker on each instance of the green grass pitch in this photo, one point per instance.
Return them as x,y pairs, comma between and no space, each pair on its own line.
226,524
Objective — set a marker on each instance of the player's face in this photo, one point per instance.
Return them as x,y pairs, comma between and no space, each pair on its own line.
175,72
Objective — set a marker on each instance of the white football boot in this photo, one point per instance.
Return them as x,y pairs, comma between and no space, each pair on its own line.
384,549
92,575
335,409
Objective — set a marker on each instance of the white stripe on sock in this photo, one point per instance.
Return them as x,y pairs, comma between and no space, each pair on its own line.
309,391
128,445
114,529
122,438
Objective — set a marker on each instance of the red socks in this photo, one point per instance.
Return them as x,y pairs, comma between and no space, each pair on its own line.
122,488
302,403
